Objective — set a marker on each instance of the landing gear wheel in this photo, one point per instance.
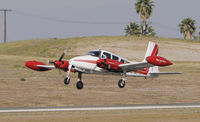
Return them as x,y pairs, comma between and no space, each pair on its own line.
67,80
121,83
79,85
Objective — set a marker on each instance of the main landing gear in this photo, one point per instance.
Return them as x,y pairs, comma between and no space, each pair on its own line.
79,83
122,82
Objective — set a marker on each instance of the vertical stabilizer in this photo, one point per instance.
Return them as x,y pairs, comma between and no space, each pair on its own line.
152,50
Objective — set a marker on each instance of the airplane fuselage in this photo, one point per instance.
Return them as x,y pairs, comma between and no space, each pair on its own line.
87,64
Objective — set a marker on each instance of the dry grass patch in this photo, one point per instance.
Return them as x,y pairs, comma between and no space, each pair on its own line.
47,88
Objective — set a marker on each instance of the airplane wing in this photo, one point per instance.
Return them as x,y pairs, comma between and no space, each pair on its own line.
135,66
46,66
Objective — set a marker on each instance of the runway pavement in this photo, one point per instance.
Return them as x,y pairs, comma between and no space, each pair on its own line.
100,108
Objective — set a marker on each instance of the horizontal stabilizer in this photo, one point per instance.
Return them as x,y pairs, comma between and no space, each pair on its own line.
165,73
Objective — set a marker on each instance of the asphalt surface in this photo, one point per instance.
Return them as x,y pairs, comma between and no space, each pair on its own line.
99,108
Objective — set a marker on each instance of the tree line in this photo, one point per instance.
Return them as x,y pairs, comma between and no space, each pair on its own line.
144,8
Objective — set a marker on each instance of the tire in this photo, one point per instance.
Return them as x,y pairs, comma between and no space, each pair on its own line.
79,85
66,81
121,83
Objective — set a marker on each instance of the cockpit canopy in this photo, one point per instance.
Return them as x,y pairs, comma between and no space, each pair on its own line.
105,54
94,53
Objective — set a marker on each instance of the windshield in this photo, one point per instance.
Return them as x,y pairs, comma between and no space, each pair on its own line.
94,53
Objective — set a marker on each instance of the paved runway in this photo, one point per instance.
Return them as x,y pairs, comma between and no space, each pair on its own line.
100,108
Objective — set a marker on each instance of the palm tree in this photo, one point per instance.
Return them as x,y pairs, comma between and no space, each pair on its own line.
149,30
132,29
199,33
144,8
187,27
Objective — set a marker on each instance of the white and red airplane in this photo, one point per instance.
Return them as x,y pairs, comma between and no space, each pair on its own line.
104,62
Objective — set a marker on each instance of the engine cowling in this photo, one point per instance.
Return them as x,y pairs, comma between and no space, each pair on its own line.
62,65
158,61
33,65
109,64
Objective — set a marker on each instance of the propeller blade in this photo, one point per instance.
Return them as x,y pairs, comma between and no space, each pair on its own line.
47,62
51,62
61,57
59,71
99,53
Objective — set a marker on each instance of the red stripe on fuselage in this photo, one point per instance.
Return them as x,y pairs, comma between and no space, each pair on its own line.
87,61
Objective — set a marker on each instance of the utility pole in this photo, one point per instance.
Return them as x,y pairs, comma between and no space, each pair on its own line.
5,11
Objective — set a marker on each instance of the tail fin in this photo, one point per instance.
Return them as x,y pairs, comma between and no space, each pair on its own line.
152,50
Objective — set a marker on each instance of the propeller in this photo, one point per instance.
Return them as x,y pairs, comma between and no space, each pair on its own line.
99,57
69,67
60,59
57,63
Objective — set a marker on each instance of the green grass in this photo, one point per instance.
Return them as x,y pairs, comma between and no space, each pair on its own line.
22,79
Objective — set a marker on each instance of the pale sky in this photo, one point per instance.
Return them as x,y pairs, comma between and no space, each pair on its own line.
33,19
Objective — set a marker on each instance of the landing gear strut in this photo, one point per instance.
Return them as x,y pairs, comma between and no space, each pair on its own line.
67,79
79,83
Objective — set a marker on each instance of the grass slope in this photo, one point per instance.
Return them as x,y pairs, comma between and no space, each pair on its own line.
129,47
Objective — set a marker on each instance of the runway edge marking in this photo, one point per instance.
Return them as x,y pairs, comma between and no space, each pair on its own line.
98,108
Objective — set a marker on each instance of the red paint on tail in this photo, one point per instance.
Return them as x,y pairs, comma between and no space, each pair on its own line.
155,51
